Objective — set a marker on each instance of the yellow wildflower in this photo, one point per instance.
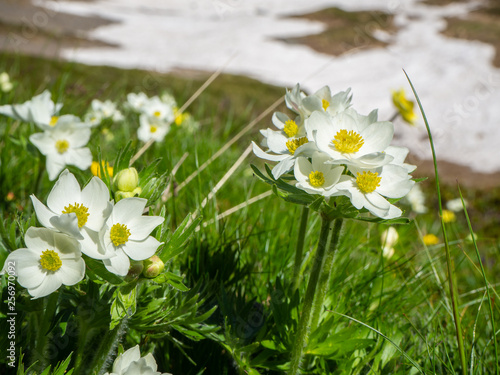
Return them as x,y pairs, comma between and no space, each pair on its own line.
449,216
96,170
430,239
404,106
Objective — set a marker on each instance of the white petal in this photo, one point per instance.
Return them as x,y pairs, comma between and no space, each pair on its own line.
79,136
49,285
71,271
140,250
43,214
127,209
67,223
279,120
283,167
65,191
395,182
80,158
43,142
141,226
54,164
264,155
92,245
95,196
277,142
377,137
123,361
302,170
119,264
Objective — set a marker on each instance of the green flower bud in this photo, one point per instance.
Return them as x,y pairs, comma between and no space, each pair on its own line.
126,180
153,267
119,195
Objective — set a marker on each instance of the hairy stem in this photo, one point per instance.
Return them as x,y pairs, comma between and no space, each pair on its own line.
299,250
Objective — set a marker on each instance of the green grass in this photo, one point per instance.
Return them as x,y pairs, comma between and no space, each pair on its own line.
243,265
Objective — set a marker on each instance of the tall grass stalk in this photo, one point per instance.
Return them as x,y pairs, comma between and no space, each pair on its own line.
486,284
449,259
305,317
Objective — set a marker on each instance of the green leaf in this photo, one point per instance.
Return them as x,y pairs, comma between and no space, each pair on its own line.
177,241
124,303
97,268
171,279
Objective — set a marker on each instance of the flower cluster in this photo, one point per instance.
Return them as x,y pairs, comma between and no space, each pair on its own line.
334,151
82,221
63,139
100,111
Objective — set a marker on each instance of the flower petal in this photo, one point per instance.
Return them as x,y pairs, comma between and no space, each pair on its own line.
65,191
43,214
142,226
95,196
71,271
119,264
49,285
140,250
127,209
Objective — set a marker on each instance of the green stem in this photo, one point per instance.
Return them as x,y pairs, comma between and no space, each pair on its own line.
449,260
47,315
305,318
299,250
325,274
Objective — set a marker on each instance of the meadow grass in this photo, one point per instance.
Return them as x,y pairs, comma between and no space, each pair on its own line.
380,315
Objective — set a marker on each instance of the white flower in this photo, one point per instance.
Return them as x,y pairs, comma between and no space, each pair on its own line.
168,99
389,238
416,199
323,101
50,260
64,145
5,83
130,362
152,128
137,101
81,213
455,205
39,110
156,108
102,110
316,177
369,188
349,142
126,234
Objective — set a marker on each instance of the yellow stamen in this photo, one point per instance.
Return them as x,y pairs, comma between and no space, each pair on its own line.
119,234
62,146
153,128
368,181
82,213
291,129
53,120
50,261
348,142
157,113
293,144
316,178
325,104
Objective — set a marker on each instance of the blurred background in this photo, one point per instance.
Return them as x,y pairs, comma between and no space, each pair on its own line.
448,48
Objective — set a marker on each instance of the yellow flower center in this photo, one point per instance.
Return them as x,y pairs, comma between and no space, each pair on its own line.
368,181
291,129
81,212
62,146
293,144
157,114
448,216
348,141
119,234
316,178
53,120
50,261
430,239
325,104
153,128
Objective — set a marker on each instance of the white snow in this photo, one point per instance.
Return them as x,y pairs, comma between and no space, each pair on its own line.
455,79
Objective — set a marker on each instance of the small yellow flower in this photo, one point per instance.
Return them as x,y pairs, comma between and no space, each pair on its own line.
404,106
430,239
449,216
96,170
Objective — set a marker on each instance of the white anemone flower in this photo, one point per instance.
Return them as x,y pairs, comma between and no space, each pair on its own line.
126,233
369,187
102,110
5,83
130,362
152,128
316,177
39,110
136,102
356,144
64,145
80,213
323,101
49,260
285,151
156,108
416,199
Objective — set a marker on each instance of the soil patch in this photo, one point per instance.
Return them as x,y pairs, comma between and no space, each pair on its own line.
346,31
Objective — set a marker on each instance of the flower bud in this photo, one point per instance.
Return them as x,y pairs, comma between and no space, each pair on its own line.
119,195
153,267
126,180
